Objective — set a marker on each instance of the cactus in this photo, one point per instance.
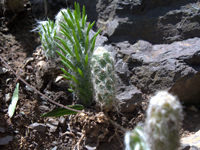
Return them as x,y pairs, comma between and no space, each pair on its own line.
47,31
161,128
77,50
104,78
69,38
135,140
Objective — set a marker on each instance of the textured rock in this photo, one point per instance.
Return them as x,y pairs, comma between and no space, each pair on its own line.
157,67
52,124
193,139
6,140
38,126
155,21
187,88
129,99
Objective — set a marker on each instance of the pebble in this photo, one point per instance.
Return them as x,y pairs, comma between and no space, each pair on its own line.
6,140
3,70
2,130
38,126
8,97
52,124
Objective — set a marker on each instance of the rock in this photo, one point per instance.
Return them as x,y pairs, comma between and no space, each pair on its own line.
184,147
187,88
158,67
3,70
7,97
62,121
6,140
52,124
129,99
38,126
192,140
2,130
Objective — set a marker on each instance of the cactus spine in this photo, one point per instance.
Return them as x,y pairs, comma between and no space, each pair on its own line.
104,78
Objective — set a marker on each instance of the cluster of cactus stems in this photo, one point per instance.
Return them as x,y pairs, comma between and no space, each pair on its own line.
161,128
69,38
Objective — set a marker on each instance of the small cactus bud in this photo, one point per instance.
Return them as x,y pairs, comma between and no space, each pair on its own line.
164,115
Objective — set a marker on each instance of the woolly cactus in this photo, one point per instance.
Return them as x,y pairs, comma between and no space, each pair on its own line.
104,78
135,140
47,33
161,128
163,120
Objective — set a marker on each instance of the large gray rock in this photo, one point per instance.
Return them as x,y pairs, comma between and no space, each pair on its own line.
158,67
153,20
129,99
187,88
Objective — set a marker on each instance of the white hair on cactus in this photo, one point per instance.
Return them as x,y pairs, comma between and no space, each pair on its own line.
164,115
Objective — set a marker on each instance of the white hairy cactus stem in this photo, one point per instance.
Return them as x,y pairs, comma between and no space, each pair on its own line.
161,128
104,78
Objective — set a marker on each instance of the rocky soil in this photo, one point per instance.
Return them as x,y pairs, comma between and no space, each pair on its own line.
155,45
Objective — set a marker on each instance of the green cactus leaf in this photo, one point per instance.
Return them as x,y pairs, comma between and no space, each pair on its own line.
76,53
67,49
79,28
86,44
85,20
44,29
70,90
71,16
73,86
76,40
83,17
65,72
86,60
66,77
75,16
81,73
70,24
75,80
67,61
66,34
77,10
93,44
89,27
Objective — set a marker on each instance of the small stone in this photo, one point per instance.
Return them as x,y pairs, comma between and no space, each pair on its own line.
29,89
38,126
2,130
184,147
3,70
8,97
52,124
62,121
6,140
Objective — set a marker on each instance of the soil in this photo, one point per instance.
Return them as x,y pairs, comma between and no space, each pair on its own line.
21,50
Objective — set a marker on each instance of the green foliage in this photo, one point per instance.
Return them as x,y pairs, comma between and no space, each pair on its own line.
76,51
47,34
12,106
62,111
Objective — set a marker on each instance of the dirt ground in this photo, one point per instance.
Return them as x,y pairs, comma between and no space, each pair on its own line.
20,49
